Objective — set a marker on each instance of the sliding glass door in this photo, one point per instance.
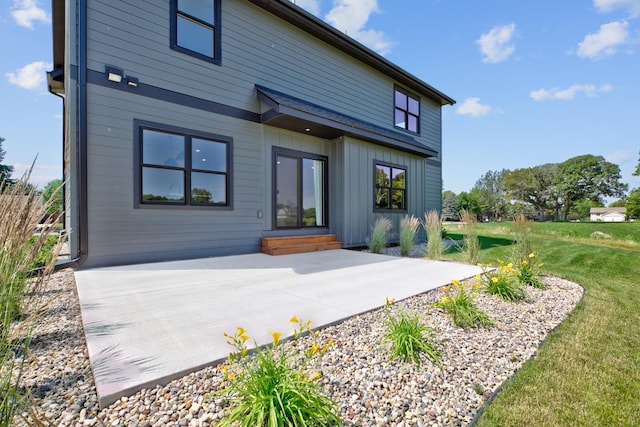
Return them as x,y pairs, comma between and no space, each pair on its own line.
300,189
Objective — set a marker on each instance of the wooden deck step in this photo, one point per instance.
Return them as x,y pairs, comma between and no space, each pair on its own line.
299,244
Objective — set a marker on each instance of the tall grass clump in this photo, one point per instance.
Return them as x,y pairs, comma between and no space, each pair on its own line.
522,231
21,210
433,228
408,229
471,243
379,235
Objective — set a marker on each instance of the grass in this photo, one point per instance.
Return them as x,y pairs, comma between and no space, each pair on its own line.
409,339
433,228
586,373
379,235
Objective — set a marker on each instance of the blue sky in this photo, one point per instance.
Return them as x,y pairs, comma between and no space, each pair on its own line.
535,82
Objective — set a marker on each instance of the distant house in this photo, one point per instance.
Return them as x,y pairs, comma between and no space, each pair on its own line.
195,129
608,214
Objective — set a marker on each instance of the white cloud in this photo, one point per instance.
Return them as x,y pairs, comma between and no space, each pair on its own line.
620,157
312,6
351,16
495,45
605,41
589,90
605,6
26,12
31,76
472,107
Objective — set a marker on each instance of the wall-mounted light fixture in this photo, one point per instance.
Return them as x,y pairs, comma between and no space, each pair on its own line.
132,81
114,74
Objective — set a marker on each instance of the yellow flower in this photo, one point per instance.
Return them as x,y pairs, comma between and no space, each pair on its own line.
446,300
388,301
244,338
232,376
276,337
478,276
455,282
532,255
445,290
494,279
241,330
525,263
294,319
314,349
510,265
474,294
477,285
316,376
328,345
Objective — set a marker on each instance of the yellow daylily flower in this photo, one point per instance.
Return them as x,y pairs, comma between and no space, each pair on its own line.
446,300
510,265
525,263
294,319
241,330
478,276
494,279
244,338
388,301
455,282
232,376
276,337
532,255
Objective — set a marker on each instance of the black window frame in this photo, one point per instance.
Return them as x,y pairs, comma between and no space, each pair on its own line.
299,155
189,134
390,187
405,110
216,27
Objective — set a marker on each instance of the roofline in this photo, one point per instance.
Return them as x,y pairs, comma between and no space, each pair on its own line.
307,22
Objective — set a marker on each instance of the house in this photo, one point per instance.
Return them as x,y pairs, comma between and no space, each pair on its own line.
195,129
608,214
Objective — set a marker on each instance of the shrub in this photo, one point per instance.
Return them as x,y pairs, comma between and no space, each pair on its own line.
528,272
471,243
20,212
408,229
461,305
503,282
433,228
273,388
409,339
379,235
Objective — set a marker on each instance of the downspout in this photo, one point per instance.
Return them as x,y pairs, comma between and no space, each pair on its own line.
81,135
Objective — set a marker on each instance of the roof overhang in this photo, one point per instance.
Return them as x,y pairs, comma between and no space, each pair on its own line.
288,112
55,78
298,17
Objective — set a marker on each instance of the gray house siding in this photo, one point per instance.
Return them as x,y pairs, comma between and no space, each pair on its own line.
178,90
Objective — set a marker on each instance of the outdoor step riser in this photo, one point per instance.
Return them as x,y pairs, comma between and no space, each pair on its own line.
299,244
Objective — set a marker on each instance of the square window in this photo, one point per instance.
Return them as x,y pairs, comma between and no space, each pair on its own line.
195,28
406,111
390,187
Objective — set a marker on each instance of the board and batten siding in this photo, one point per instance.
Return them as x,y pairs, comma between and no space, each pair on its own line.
120,233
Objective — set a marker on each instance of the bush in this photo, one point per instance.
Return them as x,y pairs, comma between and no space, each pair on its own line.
409,339
528,272
461,305
273,388
433,228
503,282
379,235
408,229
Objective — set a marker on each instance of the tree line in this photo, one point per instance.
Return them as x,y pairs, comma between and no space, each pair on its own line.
553,191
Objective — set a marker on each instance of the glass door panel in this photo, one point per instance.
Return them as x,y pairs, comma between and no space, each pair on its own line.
287,191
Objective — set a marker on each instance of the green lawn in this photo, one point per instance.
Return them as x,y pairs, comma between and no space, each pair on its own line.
588,370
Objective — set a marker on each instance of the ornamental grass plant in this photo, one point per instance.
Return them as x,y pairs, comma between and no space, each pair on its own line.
471,243
274,387
22,240
409,339
379,235
460,304
433,228
408,229
522,231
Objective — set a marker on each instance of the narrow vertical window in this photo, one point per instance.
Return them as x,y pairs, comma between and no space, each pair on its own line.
406,111
195,28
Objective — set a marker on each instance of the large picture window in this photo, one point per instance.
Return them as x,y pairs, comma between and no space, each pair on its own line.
179,167
195,28
406,111
390,187
300,182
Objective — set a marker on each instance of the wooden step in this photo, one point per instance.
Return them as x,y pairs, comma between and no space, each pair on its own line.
299,244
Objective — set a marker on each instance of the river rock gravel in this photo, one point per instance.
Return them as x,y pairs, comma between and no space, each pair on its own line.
369,389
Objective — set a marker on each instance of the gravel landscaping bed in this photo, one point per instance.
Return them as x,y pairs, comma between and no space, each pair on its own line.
368,388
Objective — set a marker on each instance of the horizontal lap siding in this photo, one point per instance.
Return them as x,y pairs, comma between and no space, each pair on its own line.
118,232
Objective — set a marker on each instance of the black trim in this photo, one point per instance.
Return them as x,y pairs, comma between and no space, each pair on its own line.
153,92
138,127
217,30
299,155
406,186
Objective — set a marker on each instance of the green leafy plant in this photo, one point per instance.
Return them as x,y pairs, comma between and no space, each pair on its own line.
409,339
273,387
408,229
503,282
528,272
461,305
433,228
471,243
379,235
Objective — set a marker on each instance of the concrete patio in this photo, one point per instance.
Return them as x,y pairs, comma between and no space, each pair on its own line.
149,323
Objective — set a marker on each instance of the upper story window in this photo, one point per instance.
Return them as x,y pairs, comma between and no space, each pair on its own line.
390,187
179,167
195,28
407,111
